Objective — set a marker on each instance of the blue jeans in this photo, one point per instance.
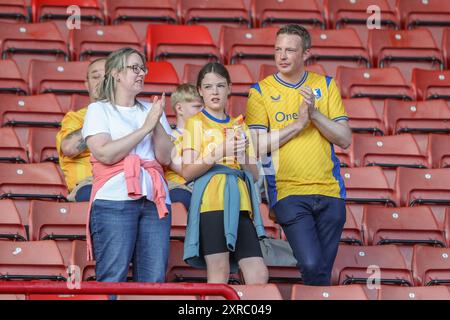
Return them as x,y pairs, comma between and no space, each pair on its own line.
181,195
129,231
313,226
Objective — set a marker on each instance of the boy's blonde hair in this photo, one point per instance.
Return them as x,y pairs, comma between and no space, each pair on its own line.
185,92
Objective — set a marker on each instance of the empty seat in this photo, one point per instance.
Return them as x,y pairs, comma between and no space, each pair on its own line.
413,293
363,264
63,222
61,78
89,12
179,221
11,80
272,229
37,110
267,13
418,186
237,105
180,44
405,49
92,42
214,14
363,116
367,185
348,292
78,259
446,47
254,292
266,70
11,227
79,101
333,48
432,15
31,260
431,266
13,11
417,116
351,234
388,152
405,226
342,14
431,84
439,150
11,150
240,76
252,47
140,13
25,42
42,144
161,77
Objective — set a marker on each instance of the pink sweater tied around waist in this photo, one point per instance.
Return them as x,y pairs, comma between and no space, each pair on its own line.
131,166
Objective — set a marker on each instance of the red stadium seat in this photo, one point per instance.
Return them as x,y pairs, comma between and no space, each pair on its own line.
447,225
417,116
180,271
446,47
272,229
413,293
404,226
253,292
13,11
78,258
419,186
377,84
79,101
368,185
161,77
405,49
37,110
42,145
252,47
345,156
237,105
348,292
92,42
352,231
266,70
63,222
431,84
431,266
11,227
180,44
388,152
11,80
267,13
140,13
31,260
179,221
58,11
363,117
434,15
241,78
342,14
355,264
333,48
25,42
61,78
67,297
214,14
11,150
439,150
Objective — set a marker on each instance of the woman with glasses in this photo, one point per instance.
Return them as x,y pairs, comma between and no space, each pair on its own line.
129,217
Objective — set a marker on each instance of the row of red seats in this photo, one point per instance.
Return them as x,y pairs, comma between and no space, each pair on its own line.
240,13
183,44
430,265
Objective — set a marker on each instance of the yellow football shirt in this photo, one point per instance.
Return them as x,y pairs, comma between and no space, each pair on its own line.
307,164
178,144
202,133
78,168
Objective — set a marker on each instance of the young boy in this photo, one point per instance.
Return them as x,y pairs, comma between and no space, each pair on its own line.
185,103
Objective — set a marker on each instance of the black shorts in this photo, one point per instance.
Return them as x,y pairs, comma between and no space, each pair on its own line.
212,236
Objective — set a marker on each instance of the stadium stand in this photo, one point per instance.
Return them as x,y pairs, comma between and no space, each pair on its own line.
413,293
11,227
11,150
347,292
13,11
11,80
439,150
431,84
431,266
363,116
41,145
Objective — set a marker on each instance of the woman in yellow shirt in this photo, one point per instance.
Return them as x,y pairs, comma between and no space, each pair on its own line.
212,137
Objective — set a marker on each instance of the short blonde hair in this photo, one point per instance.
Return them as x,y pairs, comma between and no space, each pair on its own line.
185,92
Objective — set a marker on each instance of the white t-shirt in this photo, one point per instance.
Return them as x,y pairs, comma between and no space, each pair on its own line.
102,117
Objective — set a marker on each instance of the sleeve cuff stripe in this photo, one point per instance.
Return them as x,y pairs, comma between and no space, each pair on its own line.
340,118
257,126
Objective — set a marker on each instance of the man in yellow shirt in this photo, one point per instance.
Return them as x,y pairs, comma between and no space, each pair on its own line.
185,102
295,118
72,150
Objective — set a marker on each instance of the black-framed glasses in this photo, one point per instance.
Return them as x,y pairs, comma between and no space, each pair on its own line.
137,68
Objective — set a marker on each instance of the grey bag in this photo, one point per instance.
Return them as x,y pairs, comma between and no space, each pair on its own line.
277,253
